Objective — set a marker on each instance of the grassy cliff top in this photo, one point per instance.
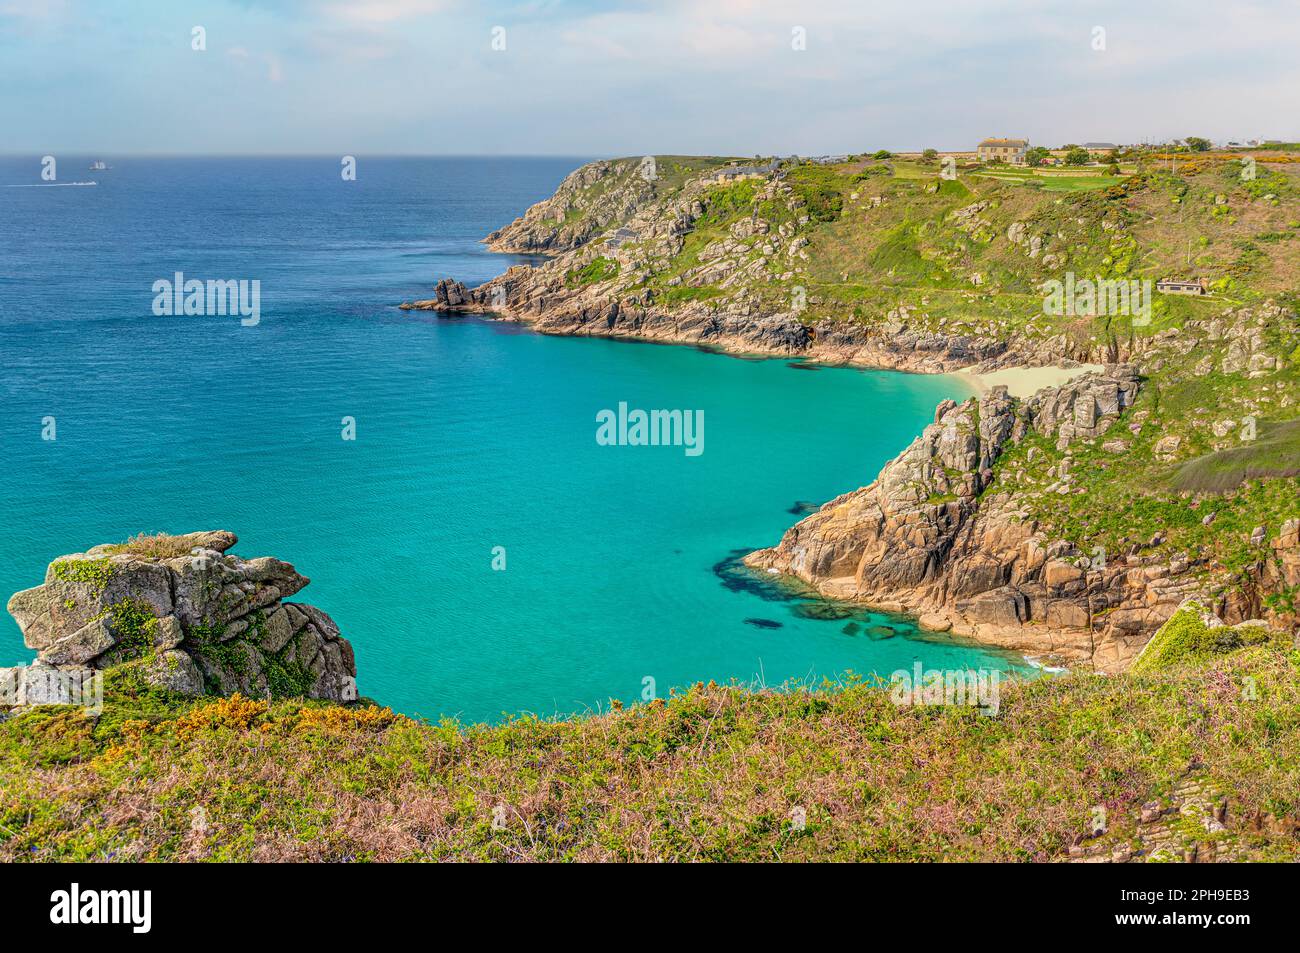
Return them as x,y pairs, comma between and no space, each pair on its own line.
962,253
715,773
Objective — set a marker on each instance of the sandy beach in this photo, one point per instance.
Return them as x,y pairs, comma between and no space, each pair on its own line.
1025,381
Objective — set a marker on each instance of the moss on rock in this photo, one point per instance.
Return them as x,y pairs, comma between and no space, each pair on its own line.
94,573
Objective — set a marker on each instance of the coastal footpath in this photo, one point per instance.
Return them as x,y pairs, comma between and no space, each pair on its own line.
1071,521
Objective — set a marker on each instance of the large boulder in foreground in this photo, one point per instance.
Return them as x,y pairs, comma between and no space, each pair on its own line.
186,615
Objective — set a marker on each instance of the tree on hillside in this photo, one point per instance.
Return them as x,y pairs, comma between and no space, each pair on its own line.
882,154
1077,156
1036,156
1197,144
929,155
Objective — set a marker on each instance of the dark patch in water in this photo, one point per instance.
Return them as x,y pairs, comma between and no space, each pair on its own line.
803,601
736,576
797,366
804,506
825,611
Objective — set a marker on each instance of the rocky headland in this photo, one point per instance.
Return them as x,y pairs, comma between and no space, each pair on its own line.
936,534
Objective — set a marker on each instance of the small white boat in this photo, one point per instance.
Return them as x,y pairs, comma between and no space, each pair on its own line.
98,166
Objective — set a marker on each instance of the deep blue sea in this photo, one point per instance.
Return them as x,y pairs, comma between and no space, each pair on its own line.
469,435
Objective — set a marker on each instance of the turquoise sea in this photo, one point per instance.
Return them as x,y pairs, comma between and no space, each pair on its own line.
470,435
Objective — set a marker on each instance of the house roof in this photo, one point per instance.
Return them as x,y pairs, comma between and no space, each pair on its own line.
1005,142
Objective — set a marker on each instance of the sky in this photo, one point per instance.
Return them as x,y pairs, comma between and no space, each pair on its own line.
730,77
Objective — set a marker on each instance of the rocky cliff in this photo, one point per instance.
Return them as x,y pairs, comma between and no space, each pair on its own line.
539,297
1071,523
588,201
181,613
945,533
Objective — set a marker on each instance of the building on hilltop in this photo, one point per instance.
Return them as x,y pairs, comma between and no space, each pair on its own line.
1183,286
734,173
1007,150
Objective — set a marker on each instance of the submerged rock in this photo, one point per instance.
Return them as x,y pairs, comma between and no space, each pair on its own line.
765,623
183,614
825,611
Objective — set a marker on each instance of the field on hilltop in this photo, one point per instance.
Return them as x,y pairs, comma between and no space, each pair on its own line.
876,235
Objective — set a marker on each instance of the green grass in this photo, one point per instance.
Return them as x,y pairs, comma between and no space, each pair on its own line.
900,255
1053,181
680,294
598,269
1186,638
1275,452
715,773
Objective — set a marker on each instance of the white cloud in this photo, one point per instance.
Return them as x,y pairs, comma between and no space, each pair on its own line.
243,56
43,10
381,11
680,75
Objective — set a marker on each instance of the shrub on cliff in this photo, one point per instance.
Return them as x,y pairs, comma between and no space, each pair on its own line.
1191,635
598,269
